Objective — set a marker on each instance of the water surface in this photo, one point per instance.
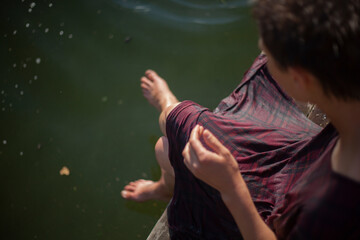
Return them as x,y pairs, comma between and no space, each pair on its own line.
70,97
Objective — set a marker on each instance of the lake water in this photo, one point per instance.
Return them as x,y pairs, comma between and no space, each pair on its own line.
75,127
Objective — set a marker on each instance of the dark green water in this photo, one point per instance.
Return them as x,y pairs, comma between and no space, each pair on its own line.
70,96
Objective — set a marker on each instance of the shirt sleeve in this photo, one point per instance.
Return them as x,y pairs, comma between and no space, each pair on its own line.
179,124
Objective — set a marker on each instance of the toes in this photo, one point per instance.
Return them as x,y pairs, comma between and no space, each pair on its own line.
126,194
130,188
152,75
146,80
145,86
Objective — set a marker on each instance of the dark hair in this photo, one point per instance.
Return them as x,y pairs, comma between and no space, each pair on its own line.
322,36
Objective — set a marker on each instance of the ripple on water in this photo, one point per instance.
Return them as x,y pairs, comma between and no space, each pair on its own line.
186,11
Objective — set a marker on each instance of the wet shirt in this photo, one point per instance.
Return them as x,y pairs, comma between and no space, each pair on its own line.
272,141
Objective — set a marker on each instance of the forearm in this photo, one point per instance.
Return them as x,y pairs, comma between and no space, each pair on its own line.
242,208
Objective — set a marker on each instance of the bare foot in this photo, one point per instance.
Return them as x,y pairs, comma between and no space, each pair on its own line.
156,91
143,190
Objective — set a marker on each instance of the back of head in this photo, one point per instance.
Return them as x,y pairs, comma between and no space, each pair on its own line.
322,36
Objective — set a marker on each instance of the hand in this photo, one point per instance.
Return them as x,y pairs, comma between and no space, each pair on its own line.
218,168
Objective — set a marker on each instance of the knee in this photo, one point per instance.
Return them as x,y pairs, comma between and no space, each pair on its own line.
161,146
163,116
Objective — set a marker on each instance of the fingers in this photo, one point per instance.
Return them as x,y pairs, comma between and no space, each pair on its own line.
214,143
196,148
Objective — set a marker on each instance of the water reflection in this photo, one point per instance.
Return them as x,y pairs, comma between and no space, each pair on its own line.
175,12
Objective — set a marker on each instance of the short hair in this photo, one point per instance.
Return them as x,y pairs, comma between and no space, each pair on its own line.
322,36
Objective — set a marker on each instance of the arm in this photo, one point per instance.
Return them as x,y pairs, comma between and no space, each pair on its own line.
219,169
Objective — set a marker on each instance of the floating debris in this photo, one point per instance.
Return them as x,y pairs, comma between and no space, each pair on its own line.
104,99
127,39
65,171
39,146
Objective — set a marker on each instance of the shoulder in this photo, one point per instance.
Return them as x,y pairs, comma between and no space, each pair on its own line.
332,213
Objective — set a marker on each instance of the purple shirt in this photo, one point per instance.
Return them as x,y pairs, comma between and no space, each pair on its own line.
273,142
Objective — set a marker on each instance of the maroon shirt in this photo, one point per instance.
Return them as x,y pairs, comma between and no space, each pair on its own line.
274,144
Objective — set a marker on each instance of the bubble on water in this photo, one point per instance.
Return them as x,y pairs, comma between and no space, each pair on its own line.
21,92
33,31
127,39
21,153
10,104
104,99
40,24
2,92
14,32
50,4
3,109
35,77
27,25
98,11
38,60
120,102
4,142
70,36
14,65
62,24
32,5
24,65
46,30
30,10
111,36
5,35
10,49
16,86
61,33
30,81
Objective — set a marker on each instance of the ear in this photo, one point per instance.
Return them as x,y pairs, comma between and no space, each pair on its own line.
301,78
303,82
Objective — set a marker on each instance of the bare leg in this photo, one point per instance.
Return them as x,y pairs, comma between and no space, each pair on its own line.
157,92
143,190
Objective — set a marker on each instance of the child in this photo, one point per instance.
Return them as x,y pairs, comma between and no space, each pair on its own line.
294,181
